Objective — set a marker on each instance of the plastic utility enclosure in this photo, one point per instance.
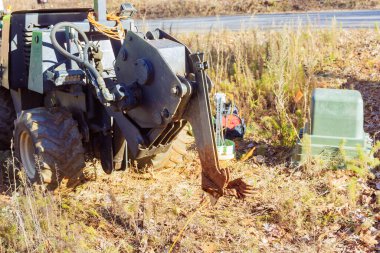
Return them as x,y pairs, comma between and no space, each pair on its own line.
336,122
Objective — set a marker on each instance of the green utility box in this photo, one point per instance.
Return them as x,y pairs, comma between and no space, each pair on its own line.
336,121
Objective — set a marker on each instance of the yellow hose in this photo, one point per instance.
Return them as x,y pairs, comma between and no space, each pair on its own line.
117,32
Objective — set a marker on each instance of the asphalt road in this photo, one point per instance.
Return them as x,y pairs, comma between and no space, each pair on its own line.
344,19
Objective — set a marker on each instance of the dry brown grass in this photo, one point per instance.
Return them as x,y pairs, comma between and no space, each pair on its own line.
178,8
310,209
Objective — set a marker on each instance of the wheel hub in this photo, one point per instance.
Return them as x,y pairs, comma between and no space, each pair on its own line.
27,153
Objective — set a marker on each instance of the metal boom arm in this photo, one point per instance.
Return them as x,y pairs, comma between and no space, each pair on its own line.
215,181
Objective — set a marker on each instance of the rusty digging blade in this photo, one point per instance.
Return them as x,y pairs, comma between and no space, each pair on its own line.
218,186
215,181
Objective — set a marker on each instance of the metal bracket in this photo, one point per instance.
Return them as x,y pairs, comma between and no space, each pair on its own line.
100,7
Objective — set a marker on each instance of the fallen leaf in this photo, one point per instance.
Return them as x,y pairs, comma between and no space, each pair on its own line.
368,239
251,145
298,96
260,159
248,155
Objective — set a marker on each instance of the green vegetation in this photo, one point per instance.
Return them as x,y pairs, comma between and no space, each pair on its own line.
270,75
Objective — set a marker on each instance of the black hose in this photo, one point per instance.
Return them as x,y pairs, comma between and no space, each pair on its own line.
60,49
81,62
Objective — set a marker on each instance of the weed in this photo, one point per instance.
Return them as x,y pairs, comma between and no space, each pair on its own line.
269,75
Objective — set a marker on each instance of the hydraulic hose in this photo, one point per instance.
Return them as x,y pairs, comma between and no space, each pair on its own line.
100,84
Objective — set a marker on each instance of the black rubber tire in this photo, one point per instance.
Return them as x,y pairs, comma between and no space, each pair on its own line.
57,145
7,117
173,156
